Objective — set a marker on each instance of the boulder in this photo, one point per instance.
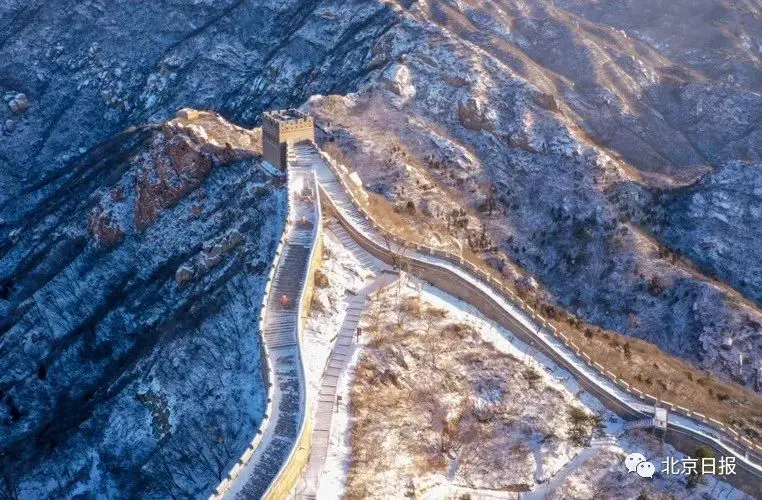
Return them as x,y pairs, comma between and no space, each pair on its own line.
545,101
19,103
214,256
473,114
398,80
521,140
184,274
188,114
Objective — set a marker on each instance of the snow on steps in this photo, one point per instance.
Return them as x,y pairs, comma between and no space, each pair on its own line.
338,361
643,423
365,259
603,441
263,462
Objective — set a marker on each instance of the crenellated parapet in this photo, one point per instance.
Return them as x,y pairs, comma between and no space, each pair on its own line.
280,127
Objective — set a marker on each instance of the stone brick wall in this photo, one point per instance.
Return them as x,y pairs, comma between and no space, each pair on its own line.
276,133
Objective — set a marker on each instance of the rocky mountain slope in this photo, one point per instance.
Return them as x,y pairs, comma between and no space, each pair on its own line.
129,351
589,149
608,150
88,70
586,121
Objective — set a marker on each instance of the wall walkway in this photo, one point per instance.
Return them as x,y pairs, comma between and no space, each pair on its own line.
260,472
276,457
337,363
686,429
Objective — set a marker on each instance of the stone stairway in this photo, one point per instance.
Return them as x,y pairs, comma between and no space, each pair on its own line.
302,237
644,423
280,333
326,403
602,441
306,156
365,259
335,190
342,352
293,255
280,330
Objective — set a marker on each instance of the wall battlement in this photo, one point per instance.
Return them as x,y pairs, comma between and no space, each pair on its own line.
280,127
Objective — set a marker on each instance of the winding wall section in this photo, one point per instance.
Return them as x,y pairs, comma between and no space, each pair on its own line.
266,469
686,430
275,459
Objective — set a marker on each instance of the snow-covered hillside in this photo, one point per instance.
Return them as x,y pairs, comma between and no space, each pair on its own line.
603,156
470,410
129,352
563,120
558,141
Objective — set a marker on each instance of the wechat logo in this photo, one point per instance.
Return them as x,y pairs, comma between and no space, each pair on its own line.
636,462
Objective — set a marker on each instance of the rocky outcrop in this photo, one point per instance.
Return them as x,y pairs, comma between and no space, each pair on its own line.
397,79
184,274
545,101
213,252
164,185
473,115
176,165
18,103
102,230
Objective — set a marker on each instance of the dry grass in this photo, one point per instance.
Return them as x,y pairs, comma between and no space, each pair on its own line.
321,280
412,307
647,368
429,377
414,228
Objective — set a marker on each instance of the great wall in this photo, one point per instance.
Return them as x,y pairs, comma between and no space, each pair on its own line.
275,460
261,470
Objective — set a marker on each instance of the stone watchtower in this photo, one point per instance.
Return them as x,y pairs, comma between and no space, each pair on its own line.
280,127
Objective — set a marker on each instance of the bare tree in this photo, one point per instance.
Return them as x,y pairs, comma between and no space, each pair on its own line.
381,305
431,317
398,252
199,453
434,345
161,480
